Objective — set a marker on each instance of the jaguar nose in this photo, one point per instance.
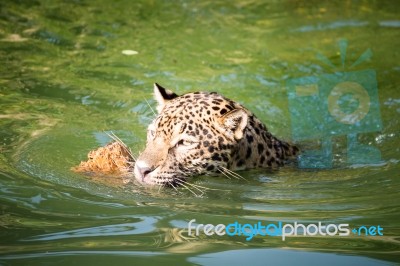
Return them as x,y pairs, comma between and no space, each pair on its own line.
142,170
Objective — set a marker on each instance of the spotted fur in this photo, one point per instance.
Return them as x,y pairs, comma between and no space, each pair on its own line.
201,133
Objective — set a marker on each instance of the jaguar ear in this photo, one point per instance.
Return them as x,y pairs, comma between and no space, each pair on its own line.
234,123
162,95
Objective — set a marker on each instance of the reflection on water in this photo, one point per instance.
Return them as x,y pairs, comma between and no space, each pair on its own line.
279,257
67,77
144,226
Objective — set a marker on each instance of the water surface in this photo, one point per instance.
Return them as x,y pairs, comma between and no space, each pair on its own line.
65,81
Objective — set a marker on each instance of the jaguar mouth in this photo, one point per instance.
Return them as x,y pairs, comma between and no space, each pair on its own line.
182,183
172,181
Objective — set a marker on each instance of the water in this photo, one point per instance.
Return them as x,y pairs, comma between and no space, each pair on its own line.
64,80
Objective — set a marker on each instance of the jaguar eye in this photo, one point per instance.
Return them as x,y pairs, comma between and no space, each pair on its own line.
185,142
188,142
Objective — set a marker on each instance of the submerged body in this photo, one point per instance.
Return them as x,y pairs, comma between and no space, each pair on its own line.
204,133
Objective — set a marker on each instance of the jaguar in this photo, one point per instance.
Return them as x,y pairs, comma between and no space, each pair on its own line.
204,133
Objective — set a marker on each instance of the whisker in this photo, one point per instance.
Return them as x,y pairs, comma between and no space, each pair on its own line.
114,137
198,187
150,107
232,173
206,188
117,139
172,185
159,188
183,184
189,189
194,186
225,174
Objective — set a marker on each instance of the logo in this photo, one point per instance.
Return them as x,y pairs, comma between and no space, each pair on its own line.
281,229
336,104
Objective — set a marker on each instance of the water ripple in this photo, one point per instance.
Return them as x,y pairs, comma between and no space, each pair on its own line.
145,225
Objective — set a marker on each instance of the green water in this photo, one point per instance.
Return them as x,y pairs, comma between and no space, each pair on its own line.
64,80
